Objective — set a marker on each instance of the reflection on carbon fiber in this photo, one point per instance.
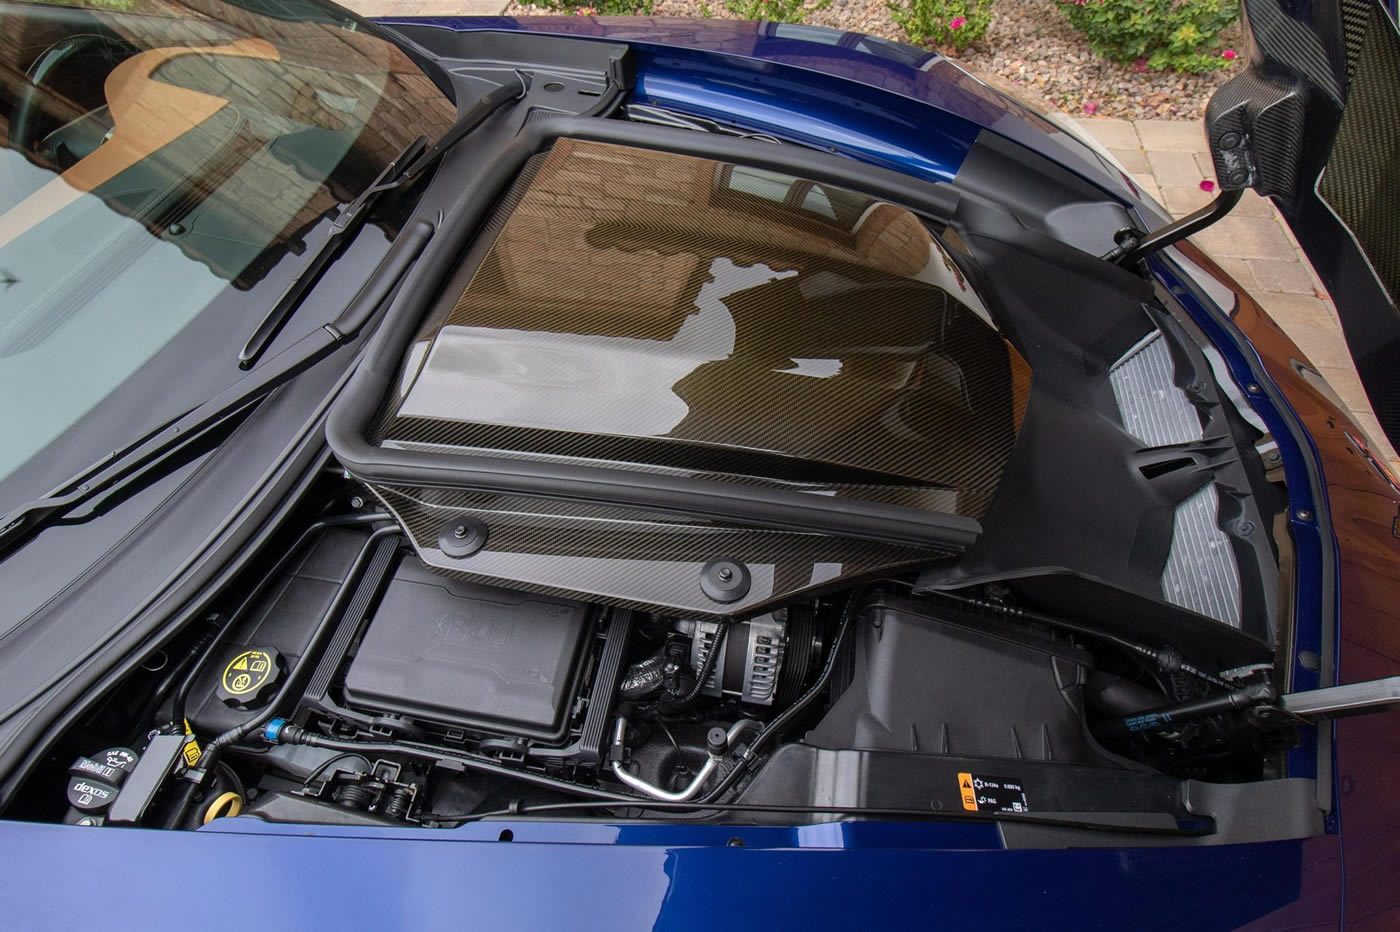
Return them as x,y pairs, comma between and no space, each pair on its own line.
631,558
654,311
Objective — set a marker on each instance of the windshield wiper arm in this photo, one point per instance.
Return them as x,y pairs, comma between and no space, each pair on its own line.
402,170
346,221
198,421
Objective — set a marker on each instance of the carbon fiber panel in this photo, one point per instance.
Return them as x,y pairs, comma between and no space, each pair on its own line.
647,310
631,558
1359,183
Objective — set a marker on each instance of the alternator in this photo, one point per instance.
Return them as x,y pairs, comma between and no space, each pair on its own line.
750,662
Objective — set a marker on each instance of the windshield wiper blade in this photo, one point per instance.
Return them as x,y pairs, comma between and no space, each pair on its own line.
401,171
199,421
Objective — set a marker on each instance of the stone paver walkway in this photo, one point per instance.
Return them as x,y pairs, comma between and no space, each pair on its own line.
1169,159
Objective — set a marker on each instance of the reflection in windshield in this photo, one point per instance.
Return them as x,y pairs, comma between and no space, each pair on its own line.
154,158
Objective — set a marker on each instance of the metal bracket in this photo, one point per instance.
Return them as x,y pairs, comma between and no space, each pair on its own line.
1340,701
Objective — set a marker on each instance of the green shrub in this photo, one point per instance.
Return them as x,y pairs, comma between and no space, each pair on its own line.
598,7
776,11
1156,34
958,23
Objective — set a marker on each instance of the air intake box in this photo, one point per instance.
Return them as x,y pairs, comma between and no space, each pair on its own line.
936,681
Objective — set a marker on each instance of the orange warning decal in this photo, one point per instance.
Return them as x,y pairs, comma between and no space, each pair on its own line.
969,798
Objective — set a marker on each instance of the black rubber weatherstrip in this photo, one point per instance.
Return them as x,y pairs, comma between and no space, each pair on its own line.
775,508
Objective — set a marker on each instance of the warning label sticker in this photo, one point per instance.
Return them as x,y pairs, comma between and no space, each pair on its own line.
981,793
247,672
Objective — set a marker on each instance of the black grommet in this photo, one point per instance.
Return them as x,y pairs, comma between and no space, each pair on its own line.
725,579
462,537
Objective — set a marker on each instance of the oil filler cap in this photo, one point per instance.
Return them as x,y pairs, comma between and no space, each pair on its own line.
249,677
88,794
725,579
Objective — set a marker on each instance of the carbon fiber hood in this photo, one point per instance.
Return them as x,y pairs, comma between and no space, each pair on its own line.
661,312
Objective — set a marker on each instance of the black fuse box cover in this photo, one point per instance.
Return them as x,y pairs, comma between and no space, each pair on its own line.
444,650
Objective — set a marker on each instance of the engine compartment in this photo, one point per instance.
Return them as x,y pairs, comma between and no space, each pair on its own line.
917,546
352,684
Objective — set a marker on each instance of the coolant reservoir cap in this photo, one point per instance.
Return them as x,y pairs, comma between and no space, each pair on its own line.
249,677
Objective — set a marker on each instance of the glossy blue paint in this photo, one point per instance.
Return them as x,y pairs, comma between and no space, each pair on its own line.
848,80
892,132
947,836
872,101
237,882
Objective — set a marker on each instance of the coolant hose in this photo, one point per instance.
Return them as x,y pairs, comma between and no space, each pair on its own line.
713,759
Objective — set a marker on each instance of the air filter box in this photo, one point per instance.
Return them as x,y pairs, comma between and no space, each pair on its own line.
933,680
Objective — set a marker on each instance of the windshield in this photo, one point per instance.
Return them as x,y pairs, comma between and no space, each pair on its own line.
155,155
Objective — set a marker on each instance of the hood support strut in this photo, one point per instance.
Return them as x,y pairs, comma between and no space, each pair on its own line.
1133,247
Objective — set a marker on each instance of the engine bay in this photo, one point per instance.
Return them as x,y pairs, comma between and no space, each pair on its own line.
792,504
352,684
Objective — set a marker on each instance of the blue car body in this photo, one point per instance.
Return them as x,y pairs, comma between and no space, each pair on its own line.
899,108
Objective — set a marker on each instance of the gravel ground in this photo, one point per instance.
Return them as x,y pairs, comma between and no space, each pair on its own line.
1031,45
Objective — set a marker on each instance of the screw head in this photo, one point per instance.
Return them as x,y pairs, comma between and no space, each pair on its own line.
175,229
725,579
462,537
1230,140
1246,528
1303,514
1253,388
357,502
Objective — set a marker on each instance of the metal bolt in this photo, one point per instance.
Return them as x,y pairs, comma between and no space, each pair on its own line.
1230,140
459,531
1304,515
87,820
725,573
175,229
1238,176
357,502
1253,388
1246,528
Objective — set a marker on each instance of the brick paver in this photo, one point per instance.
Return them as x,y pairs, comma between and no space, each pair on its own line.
1253,244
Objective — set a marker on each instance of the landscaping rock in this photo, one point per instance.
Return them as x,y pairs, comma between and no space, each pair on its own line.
1031,46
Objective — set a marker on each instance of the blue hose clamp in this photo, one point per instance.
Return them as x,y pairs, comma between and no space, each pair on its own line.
273,729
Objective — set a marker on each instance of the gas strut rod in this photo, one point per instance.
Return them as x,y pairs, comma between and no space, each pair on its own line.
1132,249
